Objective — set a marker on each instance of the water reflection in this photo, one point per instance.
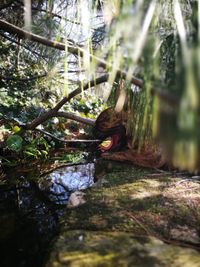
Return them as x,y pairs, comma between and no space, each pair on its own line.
30,210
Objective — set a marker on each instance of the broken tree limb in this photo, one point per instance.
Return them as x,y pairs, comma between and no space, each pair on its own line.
75,50
78,51
67,115
67,141
52,112
77,91
10,28
74,117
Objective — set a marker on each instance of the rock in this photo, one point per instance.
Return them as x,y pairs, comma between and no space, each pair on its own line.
101,182
76,199
120,249
186,234
113,226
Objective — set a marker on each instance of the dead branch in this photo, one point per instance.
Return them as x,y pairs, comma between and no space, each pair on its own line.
67,115
54,111
71,116
10,28
67,141
75,50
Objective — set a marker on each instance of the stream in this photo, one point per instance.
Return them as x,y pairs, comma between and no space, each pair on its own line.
30,210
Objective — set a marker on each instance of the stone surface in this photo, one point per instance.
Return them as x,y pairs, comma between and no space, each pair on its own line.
86,248
130,221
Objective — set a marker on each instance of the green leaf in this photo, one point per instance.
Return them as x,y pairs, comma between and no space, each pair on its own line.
16,129
28,153
14,142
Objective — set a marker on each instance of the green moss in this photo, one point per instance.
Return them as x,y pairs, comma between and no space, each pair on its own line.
109,229
85,248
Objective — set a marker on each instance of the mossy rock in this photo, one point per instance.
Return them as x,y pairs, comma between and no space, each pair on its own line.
118,249
113,226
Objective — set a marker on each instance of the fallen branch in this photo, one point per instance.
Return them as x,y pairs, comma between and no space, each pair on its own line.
54,111
78,51
10,28
75,50
74,117
67,115
67,141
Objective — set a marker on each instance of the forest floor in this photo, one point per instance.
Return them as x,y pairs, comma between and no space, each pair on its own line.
132,217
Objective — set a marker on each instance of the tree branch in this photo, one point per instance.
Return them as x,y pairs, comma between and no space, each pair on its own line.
67,115
71,116
76,51
52,112
10,28
22,45
77,91
67,141
12,78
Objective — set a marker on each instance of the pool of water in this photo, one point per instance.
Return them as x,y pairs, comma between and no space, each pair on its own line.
30,210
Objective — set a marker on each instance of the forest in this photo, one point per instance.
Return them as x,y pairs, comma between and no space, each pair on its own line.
104,95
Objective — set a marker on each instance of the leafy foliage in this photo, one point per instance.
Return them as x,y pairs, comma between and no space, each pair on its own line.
160,45
14,142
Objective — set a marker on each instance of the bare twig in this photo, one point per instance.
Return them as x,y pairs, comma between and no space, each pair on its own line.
67,141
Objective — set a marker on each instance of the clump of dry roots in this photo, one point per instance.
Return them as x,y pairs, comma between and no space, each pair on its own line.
110,128
151,158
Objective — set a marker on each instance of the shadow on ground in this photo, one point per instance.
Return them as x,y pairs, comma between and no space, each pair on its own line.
132,218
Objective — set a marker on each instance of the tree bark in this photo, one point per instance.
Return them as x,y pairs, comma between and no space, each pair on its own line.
10,28
68,141
74,117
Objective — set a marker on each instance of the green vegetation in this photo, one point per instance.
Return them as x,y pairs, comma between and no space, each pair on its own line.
59,59
132,217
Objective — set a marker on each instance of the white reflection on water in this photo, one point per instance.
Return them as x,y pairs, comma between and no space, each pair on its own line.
61,182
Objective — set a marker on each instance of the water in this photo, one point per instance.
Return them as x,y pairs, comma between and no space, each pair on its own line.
30,210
